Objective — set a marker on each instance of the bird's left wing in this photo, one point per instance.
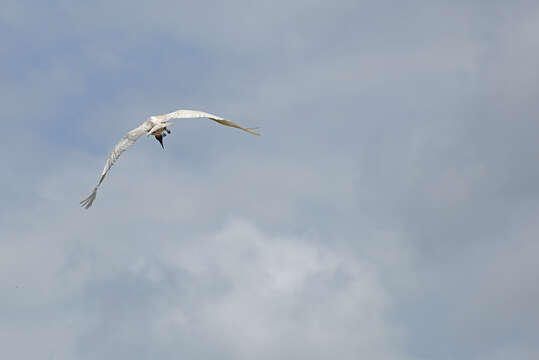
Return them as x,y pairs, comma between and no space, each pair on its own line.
129,139
185,114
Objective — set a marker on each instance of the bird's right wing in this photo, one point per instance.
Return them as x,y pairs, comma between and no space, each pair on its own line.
186,114
129,139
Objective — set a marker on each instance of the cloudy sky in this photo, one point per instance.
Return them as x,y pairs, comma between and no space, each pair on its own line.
390,210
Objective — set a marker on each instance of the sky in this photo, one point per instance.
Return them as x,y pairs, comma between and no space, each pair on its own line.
388,211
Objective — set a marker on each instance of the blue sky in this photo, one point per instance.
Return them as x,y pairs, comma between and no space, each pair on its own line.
388,211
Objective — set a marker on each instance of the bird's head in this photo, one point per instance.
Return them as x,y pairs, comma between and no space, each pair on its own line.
159,128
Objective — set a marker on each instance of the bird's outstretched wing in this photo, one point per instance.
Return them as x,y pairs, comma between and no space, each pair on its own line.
129,139
184,114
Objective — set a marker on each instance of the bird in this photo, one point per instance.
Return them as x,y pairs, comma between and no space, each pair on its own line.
157,126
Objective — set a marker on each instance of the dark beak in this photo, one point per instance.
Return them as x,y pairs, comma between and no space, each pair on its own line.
159,138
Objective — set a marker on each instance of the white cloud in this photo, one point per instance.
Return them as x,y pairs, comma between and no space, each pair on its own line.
236,291
280,297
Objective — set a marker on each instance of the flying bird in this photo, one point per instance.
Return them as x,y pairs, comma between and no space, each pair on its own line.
157,126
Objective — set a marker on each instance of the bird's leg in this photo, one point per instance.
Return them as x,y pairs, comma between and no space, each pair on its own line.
167,130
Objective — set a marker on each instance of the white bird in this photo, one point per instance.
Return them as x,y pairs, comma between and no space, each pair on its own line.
157,126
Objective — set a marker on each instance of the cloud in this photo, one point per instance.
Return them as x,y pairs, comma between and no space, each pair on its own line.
388,210
235,292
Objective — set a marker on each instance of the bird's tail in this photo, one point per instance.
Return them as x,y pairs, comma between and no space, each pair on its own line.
86,203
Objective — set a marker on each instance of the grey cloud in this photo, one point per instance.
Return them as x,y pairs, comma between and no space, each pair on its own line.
397,169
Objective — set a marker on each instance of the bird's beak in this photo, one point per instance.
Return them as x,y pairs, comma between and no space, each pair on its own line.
160,139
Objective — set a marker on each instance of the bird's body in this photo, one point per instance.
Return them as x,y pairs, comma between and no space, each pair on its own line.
158,127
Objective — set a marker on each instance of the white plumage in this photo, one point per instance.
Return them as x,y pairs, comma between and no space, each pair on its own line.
156,126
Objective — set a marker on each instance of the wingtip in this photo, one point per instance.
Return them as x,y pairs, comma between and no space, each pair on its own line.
87,203
250,131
